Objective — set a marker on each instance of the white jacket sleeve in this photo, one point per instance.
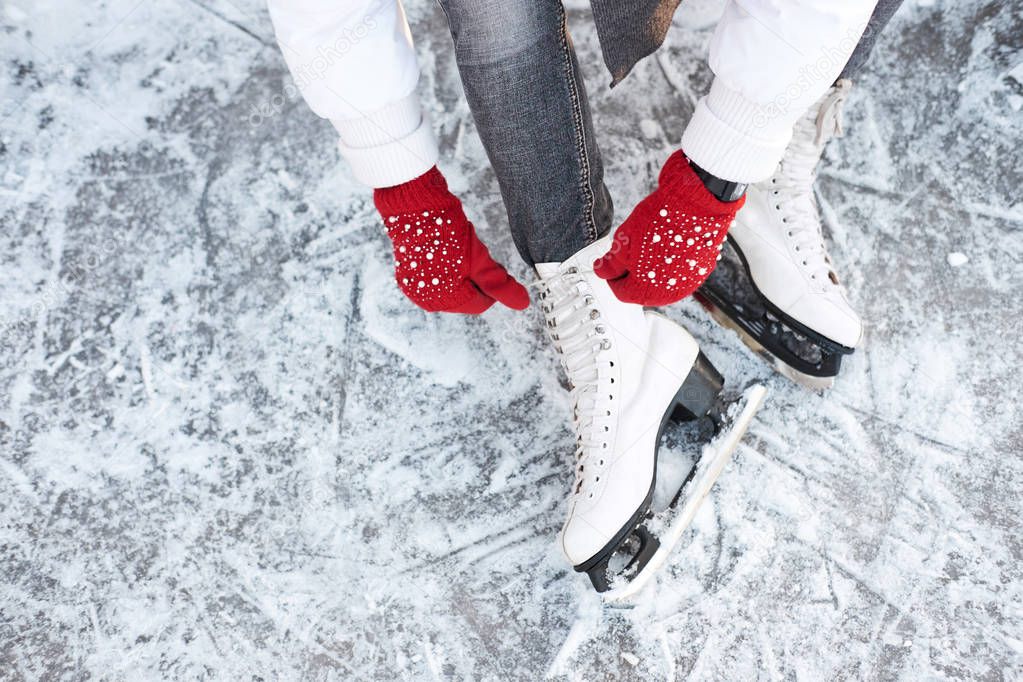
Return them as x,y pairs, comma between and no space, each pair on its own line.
354,64
772,59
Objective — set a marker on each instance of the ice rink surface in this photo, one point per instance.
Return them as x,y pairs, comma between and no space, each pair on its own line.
230,449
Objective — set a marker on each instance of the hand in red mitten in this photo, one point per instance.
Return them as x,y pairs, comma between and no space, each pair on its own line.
672,240
440,264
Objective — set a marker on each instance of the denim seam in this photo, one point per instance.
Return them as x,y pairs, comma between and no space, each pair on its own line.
580,133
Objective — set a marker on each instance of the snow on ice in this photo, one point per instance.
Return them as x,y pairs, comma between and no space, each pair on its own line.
229,448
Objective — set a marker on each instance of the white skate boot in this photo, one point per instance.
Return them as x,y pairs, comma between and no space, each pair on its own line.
777,286
629,371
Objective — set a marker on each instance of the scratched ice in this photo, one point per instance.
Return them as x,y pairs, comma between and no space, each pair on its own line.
229,448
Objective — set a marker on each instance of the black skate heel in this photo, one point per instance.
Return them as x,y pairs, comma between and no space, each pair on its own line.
698,395
640,545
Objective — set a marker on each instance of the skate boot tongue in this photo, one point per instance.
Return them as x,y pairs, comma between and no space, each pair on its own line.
829,112
812,132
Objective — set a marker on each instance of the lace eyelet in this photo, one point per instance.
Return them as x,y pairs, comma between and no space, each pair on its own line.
605,344
594,314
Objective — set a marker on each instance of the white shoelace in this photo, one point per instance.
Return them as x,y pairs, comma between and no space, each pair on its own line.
792,186
573,323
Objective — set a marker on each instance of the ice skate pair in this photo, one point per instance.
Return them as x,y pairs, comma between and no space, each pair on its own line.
633,370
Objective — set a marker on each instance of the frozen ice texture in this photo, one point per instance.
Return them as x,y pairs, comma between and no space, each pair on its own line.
230,448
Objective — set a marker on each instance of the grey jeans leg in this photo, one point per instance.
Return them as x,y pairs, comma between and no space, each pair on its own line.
878,20
526,93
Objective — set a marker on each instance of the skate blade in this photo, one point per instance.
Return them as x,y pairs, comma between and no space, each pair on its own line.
710,469
787,371
806,380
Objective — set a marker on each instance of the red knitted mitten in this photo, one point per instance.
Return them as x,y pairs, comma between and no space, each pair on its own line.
440,264
672,240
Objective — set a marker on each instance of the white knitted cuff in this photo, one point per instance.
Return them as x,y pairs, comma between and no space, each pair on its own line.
733,138
390,146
